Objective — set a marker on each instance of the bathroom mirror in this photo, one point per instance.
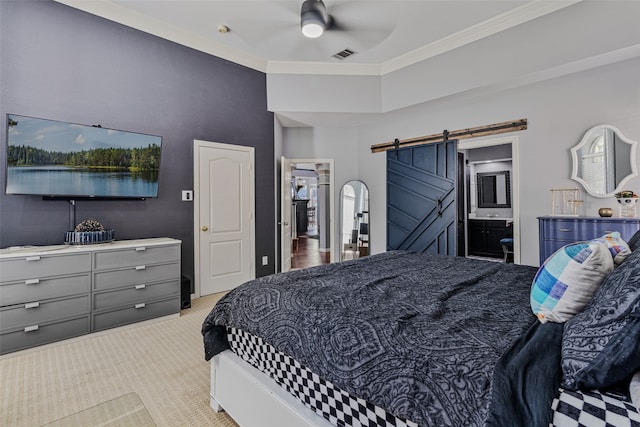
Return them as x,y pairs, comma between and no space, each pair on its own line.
354,220
604,161
494,189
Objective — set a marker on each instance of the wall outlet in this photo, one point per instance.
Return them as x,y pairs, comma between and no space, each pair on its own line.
187,196
265,260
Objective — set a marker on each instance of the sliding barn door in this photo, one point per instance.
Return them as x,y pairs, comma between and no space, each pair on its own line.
421,198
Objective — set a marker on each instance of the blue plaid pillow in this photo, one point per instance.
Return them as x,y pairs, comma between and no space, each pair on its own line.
566,281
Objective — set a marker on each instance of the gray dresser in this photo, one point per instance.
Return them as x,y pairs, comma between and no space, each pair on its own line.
50,293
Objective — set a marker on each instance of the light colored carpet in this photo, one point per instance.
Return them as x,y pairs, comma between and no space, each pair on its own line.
123,411
163,363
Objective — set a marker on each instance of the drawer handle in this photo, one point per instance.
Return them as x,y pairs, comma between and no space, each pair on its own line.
140,249
141,286
565,229
32,281
33,258
141,305
31,328
140,267
32,305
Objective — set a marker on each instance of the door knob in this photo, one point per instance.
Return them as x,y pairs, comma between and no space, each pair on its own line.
205,228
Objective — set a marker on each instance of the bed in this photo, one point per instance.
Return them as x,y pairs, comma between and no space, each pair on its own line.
412,339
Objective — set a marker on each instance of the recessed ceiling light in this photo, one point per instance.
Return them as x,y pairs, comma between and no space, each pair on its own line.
223,29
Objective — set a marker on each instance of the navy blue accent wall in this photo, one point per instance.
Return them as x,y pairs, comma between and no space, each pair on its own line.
63,64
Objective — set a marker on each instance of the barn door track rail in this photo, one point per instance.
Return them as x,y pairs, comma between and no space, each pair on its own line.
494,129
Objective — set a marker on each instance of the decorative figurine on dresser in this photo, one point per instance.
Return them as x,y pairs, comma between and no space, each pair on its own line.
51,293
603,162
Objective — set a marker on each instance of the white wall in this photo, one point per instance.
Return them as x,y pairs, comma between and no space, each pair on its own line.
559,112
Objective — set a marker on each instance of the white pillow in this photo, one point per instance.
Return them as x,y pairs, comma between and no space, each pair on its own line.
566,281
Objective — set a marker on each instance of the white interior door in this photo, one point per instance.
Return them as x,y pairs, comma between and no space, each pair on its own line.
224,216
285,214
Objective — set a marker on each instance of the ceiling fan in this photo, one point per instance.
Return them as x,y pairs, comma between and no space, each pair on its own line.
315,30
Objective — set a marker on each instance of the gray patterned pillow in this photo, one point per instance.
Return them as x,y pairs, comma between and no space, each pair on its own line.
634,241
601,345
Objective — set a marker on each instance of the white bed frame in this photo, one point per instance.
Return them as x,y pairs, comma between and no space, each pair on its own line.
252,398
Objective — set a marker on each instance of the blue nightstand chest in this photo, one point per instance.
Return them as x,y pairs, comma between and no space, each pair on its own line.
557,231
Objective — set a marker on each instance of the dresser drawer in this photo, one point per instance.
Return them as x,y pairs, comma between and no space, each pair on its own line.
44,334
135,294
138,275
566,231
38,266
35,313
577,230
135,313
556,232
42,289
140,255
626,229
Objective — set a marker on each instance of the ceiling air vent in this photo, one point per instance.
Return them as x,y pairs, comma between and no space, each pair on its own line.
344,54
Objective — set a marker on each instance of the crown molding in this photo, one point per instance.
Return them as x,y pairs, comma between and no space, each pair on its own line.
498,23
323,68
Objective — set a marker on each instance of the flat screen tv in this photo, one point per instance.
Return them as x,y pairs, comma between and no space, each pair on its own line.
66,160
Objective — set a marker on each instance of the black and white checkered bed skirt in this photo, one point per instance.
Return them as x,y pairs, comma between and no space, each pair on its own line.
321,396
570,409
592,409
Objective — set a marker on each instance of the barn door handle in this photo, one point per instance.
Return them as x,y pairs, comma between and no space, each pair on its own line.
439,207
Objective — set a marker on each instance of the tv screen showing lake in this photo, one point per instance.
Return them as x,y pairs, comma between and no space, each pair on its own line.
67,181
52,158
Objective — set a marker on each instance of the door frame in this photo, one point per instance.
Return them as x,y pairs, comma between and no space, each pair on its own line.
515,180
197,144
332,209
284,196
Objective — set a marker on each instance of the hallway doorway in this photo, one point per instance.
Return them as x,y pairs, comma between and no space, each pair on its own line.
307,211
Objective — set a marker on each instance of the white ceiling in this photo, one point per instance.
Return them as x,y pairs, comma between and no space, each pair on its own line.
393,39
265,35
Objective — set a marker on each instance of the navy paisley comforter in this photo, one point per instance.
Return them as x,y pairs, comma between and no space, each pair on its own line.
417,334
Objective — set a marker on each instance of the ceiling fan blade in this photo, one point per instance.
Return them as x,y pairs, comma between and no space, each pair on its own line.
348,15
357,32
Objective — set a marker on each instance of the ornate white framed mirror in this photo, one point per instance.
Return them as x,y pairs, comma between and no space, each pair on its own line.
604,160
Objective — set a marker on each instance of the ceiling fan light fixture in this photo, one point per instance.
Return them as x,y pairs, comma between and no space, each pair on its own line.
312,30
313,18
